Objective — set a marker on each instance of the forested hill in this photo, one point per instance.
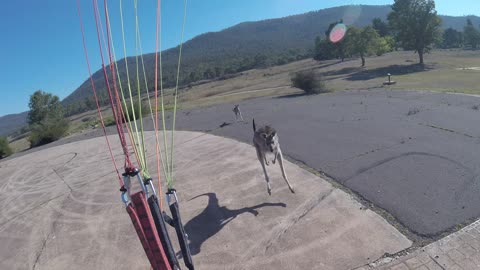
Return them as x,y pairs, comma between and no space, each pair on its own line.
244,46
251,45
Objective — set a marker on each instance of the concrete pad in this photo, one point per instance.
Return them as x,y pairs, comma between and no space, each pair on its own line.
62,210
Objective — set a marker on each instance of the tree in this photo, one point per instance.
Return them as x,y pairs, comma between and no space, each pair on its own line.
218,72
46,118
208,74
90,103
452,39
381,27
339,49
385,44
229,70
324,49
363,42
260,61
5,149
415,24
43,105
193,76
245,64
472,35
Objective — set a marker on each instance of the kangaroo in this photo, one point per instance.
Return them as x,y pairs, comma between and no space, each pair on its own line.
265,140
238,113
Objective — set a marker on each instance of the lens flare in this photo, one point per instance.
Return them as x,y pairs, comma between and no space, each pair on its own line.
338,33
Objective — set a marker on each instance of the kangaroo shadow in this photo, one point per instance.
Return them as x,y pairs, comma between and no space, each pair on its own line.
213,218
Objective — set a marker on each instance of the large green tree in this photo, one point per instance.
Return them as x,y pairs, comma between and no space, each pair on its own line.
324,49
381,27
43,105
363,41
472,35
415,24
339,49
452,39
46,118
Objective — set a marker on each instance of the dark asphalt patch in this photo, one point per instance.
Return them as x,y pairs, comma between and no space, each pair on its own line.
425,177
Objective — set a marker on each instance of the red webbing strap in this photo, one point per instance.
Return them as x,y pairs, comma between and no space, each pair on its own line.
141,234
157,257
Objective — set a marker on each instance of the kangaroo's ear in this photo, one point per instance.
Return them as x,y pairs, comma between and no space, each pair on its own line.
274,133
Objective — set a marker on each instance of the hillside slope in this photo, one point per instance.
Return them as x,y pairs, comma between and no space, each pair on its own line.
234,49
12,122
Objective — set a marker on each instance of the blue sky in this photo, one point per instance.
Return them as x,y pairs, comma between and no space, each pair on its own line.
41,44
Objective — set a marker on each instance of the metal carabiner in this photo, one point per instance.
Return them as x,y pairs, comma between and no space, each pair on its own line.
126,190
172,193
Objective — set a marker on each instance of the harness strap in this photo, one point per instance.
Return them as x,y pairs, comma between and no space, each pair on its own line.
159,218
155,252
179,229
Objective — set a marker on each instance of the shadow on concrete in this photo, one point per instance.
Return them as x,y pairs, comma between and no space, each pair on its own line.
213,218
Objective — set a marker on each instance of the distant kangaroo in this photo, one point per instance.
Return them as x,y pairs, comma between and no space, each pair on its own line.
265,140
238,113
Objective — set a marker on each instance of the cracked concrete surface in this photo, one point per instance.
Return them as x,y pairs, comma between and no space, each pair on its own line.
231,220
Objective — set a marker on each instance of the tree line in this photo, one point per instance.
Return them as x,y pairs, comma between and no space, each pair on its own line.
359,42
469,38
412,25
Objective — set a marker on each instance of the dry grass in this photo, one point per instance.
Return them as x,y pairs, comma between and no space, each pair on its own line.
444,71
20,145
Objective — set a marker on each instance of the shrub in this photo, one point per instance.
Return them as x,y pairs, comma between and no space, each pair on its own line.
108,121
5,149
310,82
48,131
128,113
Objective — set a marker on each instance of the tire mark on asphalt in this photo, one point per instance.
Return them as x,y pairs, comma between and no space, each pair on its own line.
381,162
403,141
448,130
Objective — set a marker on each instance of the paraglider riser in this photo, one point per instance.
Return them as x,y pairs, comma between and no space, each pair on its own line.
161,227
144,225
